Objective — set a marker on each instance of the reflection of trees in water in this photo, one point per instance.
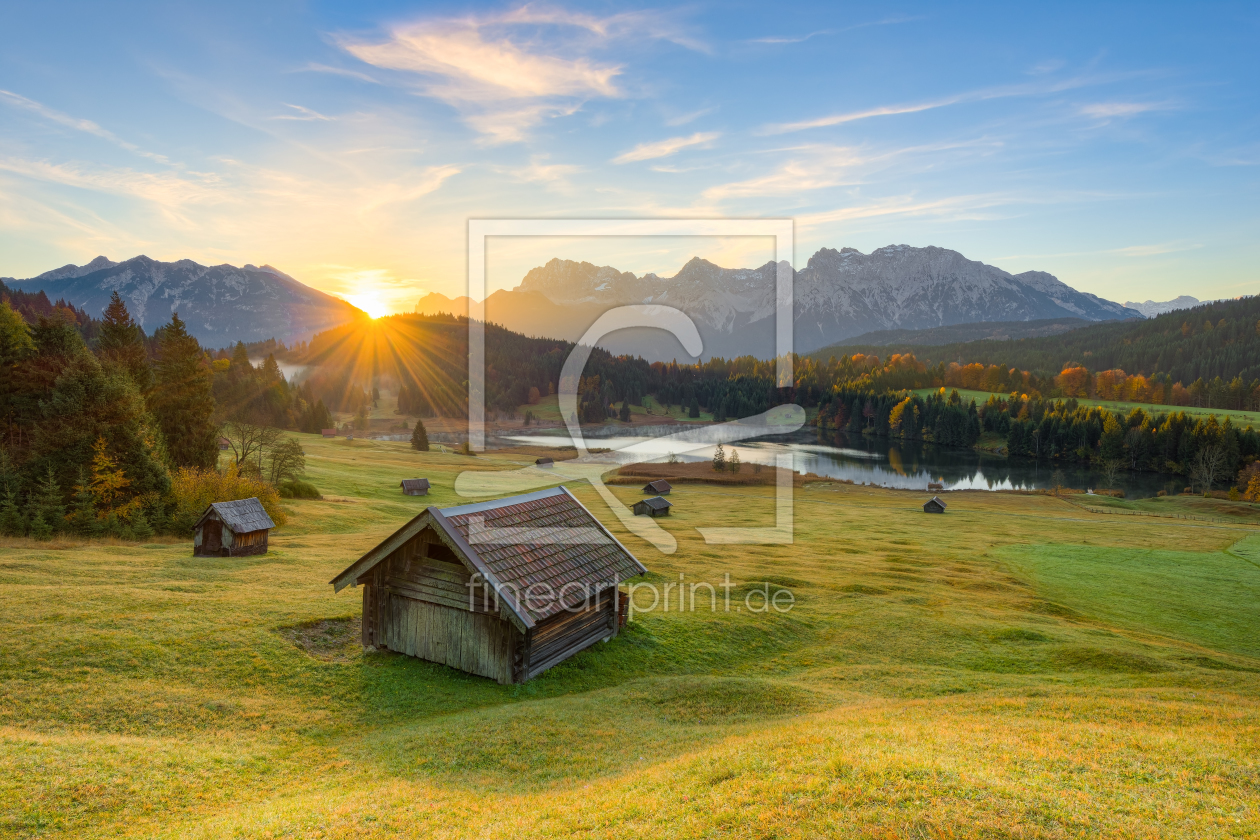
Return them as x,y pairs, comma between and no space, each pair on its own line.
907,463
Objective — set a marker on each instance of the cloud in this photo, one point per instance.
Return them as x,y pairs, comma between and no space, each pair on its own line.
507,72
314,67
87,126
964,206
303,114
686,118
788,39
1113,110
1003,92
1154,250
397,192
665,148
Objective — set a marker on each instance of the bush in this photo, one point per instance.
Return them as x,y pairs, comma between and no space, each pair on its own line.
296,489
194,488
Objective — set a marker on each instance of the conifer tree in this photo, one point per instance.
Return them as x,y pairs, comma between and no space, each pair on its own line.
733,463
83,509
122,343
48,503
694,411
183,401
12,522
420,437
719,459
624,415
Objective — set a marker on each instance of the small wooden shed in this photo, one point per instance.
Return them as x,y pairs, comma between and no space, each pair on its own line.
544,462
655,506
934,505
503,589
415,486
660,487
232,529
224,443
328,432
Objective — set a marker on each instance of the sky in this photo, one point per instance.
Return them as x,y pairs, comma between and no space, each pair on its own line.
1115,146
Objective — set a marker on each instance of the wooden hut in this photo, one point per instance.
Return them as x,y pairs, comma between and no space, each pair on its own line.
489,589
660,487
224,443
934,505
655,506
328,432
232,529
415,486
544,462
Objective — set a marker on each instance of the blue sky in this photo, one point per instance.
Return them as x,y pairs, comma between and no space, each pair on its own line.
1115,146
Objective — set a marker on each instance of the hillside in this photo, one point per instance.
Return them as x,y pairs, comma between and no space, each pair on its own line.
1215,339
221,304
961,333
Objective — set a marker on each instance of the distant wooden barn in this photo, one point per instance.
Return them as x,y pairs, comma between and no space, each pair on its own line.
224,443
487,588
328,432
544,462
415,486
660,487
232,529
655,506
934,505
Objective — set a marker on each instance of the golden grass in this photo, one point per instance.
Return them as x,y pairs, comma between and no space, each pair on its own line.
939,676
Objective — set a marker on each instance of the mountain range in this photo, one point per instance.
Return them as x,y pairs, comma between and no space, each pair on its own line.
1151,308
838,295
221,304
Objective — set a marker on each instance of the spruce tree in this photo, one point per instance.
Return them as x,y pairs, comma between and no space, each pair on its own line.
12,522
719,459
48,502
122,343
183,402
420,437
624,415
83,508
694,411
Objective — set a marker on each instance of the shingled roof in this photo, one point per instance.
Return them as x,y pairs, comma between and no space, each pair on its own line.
415,484
242,516
546,539
660,485
656,503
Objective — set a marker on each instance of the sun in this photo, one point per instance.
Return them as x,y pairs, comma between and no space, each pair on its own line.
370,303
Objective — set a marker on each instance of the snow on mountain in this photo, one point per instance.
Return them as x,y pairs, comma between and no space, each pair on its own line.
1151,308
221,304
838,295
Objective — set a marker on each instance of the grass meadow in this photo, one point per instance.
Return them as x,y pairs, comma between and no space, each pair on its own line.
1241,419
1020,667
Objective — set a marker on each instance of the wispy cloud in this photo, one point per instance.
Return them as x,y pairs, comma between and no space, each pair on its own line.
415,186
1001,92
315,67
303,114
683,119
797,39
1113,110
86,126
665,148
1155,250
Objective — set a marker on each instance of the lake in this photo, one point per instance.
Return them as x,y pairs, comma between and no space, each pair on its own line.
905,465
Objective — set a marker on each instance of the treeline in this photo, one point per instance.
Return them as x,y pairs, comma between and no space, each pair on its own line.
1203,449
1214,340
121,437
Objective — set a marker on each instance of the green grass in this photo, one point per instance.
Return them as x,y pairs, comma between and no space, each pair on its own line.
1017,668
1240,418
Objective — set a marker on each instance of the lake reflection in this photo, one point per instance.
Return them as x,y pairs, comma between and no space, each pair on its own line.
885,463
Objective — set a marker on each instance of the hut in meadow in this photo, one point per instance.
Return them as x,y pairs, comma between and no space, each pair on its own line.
415,486
934,505
660,487
503,589
328,432
544,462
224,443
232,529
655,506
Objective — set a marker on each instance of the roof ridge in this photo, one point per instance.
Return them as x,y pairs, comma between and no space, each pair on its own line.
495,504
